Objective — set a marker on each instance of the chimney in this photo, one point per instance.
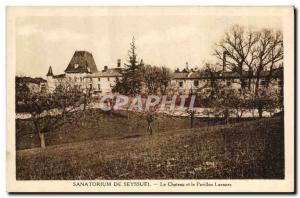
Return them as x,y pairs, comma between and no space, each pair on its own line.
142,62
105,68
119,63
187,65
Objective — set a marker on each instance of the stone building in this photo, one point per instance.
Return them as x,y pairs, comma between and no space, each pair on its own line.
83,73
187,81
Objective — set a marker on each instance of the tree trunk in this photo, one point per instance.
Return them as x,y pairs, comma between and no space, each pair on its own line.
260,68
149,129
192,120
260,112
42,139
226,116
37,129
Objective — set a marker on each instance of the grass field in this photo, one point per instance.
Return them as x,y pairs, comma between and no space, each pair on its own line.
95,124
252,149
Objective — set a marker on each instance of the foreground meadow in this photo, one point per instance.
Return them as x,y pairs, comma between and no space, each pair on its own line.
249,149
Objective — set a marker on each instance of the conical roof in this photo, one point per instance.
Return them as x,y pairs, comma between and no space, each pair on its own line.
50,73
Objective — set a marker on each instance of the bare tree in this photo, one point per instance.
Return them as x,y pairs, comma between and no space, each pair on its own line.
235,49
253,55
267,52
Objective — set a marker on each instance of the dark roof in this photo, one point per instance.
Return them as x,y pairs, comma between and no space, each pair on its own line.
50,73
180,75
30,80
112,72
60,76
81,62
40,80
204,74
232,74
278,72
194,74
185,70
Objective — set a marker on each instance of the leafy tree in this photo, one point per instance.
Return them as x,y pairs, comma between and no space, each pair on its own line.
51,110
156,79
22,92
267,101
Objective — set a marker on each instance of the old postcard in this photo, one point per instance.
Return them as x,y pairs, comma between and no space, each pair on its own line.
150,99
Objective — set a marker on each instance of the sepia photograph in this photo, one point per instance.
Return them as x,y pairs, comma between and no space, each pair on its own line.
150,99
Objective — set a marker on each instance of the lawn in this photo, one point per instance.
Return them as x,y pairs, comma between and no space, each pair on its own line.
252,149
95,124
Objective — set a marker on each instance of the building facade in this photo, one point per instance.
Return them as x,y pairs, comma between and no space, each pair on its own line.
83,73
191,81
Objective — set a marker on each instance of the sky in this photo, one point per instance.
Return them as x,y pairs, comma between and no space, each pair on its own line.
160,40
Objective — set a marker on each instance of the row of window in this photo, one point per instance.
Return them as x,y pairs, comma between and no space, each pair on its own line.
107,78
228,83
196,83
98,86
91,79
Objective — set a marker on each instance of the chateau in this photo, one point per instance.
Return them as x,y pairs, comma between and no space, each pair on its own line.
83,73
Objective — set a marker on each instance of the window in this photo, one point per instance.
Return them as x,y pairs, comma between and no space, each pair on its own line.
196,83
80,79
76,66
245,83
180,84
99,87
75,79
98,78
262,82
107,78
91,86
91,79
228,83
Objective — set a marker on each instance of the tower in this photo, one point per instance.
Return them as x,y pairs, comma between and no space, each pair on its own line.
50,73
50,80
